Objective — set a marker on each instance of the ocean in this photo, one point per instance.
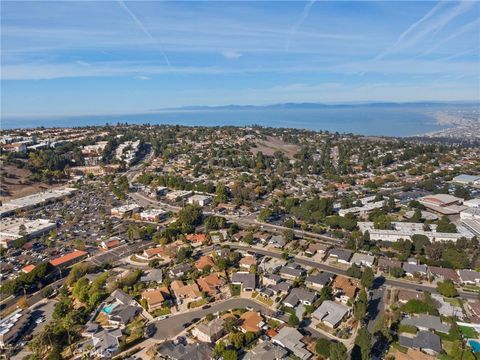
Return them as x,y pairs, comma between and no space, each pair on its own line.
358,120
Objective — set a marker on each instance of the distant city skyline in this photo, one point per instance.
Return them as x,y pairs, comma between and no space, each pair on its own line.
114,57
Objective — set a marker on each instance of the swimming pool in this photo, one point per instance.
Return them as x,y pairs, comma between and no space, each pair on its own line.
108,309
474,344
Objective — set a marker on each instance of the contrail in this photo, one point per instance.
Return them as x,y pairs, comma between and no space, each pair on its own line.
301,19
415,32
144,30
474,25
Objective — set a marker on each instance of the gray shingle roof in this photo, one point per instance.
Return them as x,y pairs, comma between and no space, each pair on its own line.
320,279
330,312
422,340
427,322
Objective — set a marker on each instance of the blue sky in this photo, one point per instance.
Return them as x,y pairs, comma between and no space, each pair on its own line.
102,57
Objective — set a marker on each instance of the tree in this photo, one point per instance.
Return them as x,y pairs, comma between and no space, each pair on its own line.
219,349
237,339
264,214
364,343
396,272
338,351
230,355
444,225
293,320
360,306
288,235
354,271
367,278
322,347
326,293
447,288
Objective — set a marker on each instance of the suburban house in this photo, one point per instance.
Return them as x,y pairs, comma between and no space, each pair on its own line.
442,274
427,322
210,283
422,340
318,281
265,350
271,279
247,261
246,280
469,277
272,265
316,248
385,264
177,351
204,262
105,343
155,298
406,295
341,255
154,275
120,308
291,273
210,332
412,269
277,241
282,287
154,253
185,293
290,339
299,295
180,270
331,313
197,239
362,259
251,321
344,289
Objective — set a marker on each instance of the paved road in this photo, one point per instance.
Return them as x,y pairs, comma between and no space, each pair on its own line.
324,267
174,325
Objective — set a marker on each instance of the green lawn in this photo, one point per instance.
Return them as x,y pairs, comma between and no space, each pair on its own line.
468,332
235,290
454,301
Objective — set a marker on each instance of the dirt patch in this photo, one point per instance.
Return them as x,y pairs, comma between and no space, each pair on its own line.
273,144
14,183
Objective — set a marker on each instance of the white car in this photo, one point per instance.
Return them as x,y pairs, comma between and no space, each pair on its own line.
39,320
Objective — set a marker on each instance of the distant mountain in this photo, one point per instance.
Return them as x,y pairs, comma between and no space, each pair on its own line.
307,105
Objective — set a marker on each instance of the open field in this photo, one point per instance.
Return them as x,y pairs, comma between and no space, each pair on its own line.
273,144
14,183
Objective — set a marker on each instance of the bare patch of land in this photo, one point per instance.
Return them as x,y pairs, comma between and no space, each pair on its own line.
15,183
273,144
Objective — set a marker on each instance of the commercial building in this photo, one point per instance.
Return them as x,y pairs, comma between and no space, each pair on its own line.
152,215
178,195
443,204
464,179
125,210
69,259
405,230
35,200
200,200
12,229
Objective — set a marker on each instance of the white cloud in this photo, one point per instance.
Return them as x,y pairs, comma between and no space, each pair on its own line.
231,54
142,77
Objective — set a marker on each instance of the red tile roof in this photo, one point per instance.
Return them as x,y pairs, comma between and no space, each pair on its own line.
28,268
68,257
